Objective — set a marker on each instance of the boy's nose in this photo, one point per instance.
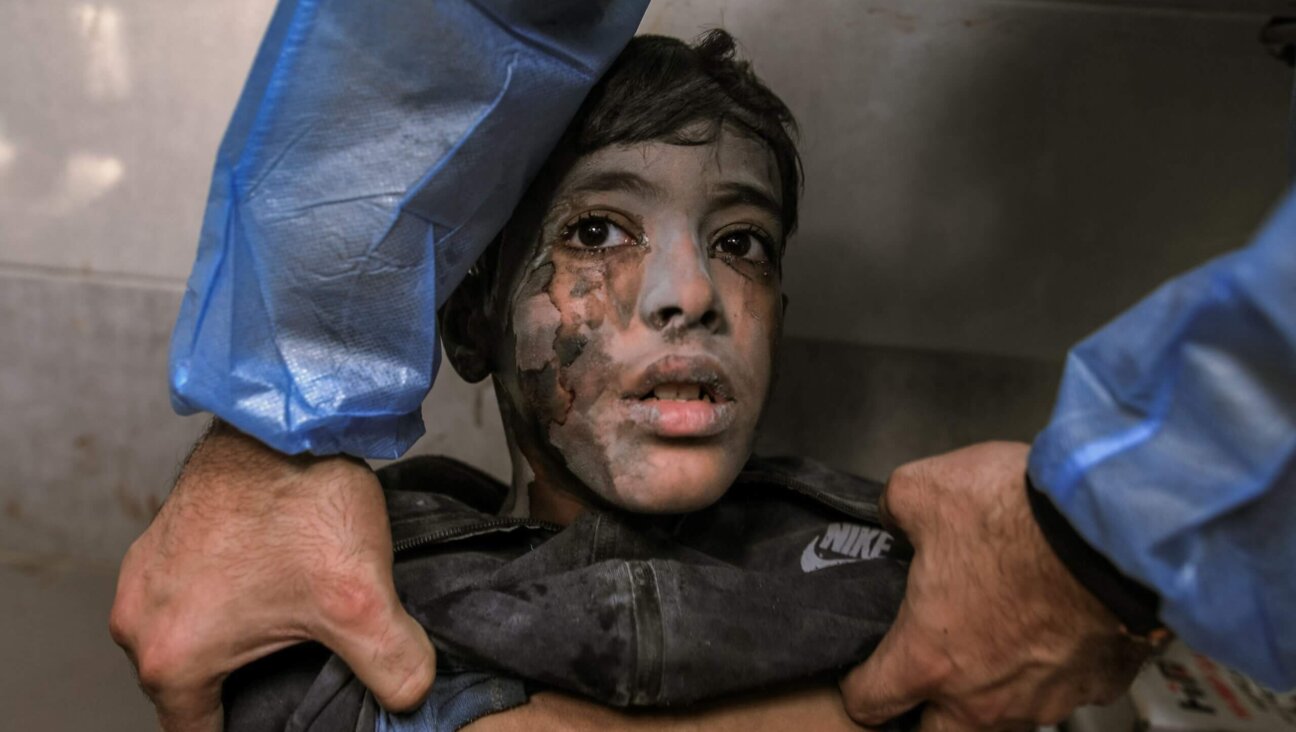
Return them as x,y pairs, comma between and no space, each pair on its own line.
678,293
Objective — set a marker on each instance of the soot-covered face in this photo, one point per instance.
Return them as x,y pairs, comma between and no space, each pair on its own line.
642,322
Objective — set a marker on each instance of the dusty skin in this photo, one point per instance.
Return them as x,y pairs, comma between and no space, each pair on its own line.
653,265
653,269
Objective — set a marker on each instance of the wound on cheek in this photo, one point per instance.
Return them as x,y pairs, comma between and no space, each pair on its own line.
569,348
583,286
536,319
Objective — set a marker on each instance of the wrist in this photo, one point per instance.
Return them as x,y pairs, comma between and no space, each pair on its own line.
238,450
1134,605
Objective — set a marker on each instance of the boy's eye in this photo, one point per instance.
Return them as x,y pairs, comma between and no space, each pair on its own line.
744,244
596,232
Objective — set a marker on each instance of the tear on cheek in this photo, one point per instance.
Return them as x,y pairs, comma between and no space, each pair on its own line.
760,272
581,439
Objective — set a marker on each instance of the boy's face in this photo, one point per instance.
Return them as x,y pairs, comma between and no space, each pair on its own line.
642,321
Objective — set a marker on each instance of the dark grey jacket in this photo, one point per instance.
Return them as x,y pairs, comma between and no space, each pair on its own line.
787,578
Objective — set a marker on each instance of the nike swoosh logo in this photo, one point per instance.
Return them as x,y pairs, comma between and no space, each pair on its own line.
810,561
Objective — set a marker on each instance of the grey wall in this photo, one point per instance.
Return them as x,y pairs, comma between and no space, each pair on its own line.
999,177
987,180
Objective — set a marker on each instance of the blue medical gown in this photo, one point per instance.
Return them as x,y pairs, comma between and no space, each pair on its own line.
1172,449
376,150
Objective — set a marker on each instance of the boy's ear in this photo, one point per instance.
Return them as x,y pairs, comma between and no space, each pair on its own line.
466,328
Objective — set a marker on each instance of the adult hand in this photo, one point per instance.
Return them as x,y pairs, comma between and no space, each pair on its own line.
994,632
255,551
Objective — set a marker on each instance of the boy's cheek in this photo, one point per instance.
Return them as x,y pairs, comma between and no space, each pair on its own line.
657,478
535,323
590,289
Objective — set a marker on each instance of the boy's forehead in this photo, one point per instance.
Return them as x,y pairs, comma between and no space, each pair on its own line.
660,169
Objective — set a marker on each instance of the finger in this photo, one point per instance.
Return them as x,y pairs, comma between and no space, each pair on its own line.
900,505
897,677
386,648
884,512
189,710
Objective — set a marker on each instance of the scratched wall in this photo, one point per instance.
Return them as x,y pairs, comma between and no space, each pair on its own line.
987,180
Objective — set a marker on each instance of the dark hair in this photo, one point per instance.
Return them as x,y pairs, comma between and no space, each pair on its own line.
660,88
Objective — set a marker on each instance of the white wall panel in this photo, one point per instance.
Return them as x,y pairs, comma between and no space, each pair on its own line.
110,115
87,440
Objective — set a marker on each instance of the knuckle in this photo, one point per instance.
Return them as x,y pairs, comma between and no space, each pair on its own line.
162,665
349,599
124,616
907,474
934,667
121,624
899,495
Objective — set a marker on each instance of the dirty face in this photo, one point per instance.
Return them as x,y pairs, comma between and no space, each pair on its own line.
642,321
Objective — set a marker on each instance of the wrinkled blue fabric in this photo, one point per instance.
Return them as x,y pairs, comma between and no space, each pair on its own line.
374,153
1172,449
456,700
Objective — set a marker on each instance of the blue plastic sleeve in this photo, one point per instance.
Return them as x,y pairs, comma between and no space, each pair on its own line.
375,151
1172,450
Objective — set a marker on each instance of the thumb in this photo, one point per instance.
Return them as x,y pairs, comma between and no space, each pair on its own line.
894,679
190,710
386,649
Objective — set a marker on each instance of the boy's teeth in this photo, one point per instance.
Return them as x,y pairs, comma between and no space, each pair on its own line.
678,392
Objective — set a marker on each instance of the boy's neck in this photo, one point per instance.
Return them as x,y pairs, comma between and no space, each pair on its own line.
554,506
532,497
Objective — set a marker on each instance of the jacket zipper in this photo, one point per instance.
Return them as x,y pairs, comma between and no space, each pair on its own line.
868,512
433,537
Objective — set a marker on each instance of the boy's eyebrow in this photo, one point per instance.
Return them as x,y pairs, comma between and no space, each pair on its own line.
724,195
617,180
735,193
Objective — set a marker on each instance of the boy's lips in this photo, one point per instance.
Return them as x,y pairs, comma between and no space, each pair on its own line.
682,396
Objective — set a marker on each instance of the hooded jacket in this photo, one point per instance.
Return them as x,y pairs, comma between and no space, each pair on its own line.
787,578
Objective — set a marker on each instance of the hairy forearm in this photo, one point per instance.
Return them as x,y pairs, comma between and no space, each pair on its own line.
224,450
253,551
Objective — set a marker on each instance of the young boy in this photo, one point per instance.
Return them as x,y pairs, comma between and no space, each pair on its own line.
629,315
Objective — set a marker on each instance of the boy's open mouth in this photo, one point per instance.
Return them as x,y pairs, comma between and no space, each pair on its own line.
682,397
681,392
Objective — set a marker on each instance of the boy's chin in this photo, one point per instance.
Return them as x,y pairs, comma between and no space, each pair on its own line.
676,479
